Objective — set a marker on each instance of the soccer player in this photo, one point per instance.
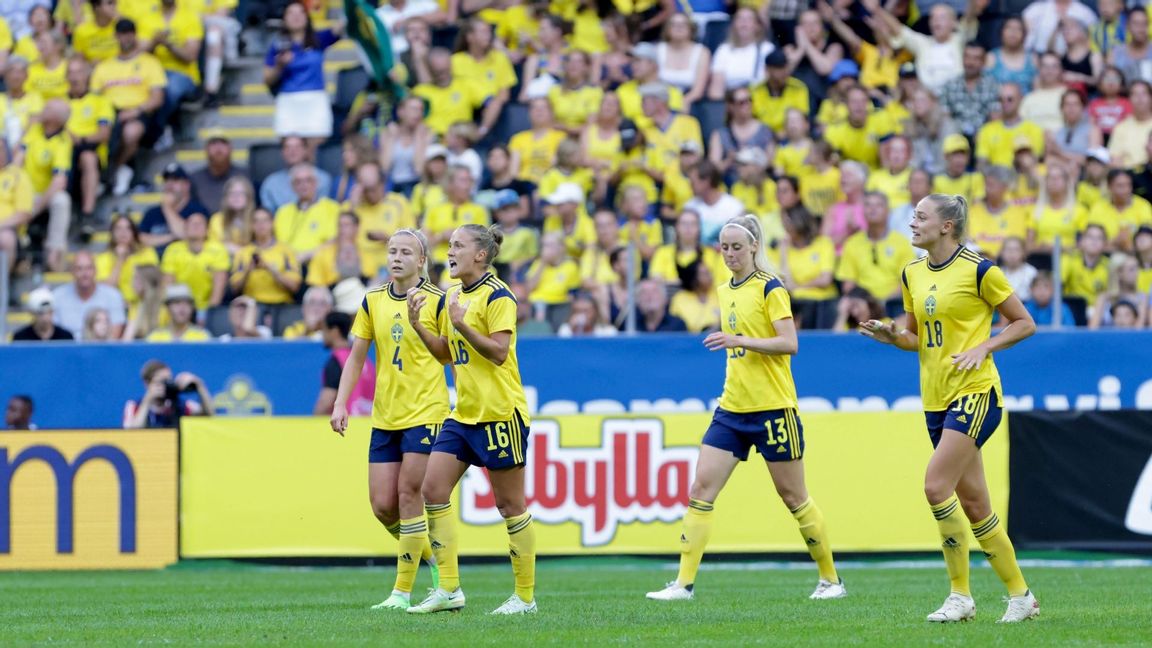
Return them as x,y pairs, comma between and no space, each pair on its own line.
410,404
949,296
757,409
489,427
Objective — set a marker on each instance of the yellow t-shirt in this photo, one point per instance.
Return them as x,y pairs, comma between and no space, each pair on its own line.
16,191
667,261
757,200
28,106
989,231
1065,222
581,237
1088,194
94,42
831,111
996,142
425,196
791,158
183,26
650,231
698,316
555,176
772,109
220,232
192,334
537,154
517,28
756,382
819,190
556,282
261,285
604,149
573,108
304,231
878,71
666,141
48,83
493,73
969,185
631,104
46,156
1083,280
588,33
893,185
323,269
5,35
89,114
875,266
446,217
455,103
389,215
26,47
106,261
1113,220
196,270
806,264
129,83
520,245
859,144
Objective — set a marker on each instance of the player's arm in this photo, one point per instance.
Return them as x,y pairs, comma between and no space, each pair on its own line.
436,344
493,347
1020,326
905,338
784,342
348,379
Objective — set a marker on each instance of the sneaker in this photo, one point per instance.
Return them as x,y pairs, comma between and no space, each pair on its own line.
212,100
515,605
123,181
165,142
398,601
435,569
672,592
826,589
957,607
439,601
1021,608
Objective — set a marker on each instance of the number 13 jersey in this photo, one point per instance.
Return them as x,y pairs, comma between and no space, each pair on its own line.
755,382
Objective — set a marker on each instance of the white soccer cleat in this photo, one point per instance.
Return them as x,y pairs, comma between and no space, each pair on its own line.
1021,608
439,601
957,607
398,601
515,605
672,592
826,589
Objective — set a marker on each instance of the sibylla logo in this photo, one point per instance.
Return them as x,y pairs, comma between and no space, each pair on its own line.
1139,517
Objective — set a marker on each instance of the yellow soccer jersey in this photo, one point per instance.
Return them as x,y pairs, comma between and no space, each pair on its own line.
969,185
858,144
410,386
1088,194
5,35
953,305
128,84
89,114
517,28
807,263
580,238
94,42
1144,280
261,285
192,334
425,196
791,159
1084,280
1113,220
389,215
446,217
819,190
485,391
106,261
1048,223
16,191
875,265
556,282
996,142
573,107
669,139
893,185
588,33
757,200
195,269
324,268
554,177
48,83
771,109
650,231
631,104
988,231
304,231
667,261
520,244
455,103
755,382
183,26
46,156
698,316
493,73
537,154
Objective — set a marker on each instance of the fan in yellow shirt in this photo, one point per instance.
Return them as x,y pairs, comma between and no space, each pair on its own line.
343,258
181,314
873,258
198,263
645,70
696,302
1086,274
753,188
554,277
130,80
309,222
993,220
47,77
117,266
997,141
459,209
480,62
1123,213
638,226
956,180
451,98
17,100
381,213
806,265
780,92
891,179
266,270
820,180
566,216
574,100
856,138
175,35
534,150
1059,217
95,39
670,260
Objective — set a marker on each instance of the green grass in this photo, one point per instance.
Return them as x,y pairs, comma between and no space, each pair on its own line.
582,601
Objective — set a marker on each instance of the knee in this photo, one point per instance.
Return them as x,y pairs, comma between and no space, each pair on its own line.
511,507
937,490
792,497
410,496
88,161
133,130
975,509
435,493
384,509
7,239
701,490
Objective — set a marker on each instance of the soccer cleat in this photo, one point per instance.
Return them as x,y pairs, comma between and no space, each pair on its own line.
515,605
439,601
398,601
957,607
435,569
1021,608
672,592
826,589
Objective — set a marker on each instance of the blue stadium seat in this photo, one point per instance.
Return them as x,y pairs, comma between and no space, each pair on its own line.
216,320
715,33
285,316
710,114
263,161
330,157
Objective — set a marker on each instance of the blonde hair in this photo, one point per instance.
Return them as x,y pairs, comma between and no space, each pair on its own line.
750,225
420,239
952,208
488,239
238,223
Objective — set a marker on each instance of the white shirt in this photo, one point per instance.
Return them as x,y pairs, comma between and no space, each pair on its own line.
713,217
1021,280
742,66
1043,20
470,159
1042,107
390,16
936,63
70,309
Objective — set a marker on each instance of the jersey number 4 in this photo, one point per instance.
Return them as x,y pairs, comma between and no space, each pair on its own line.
934,330
396,359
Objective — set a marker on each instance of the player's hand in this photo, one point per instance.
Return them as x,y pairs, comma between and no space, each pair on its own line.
339,420
880,331
970,359
416,300
457,309
719,340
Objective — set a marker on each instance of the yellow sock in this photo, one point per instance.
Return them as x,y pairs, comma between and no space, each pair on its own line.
413,538
811,521
693,540
998,549
954,534
394,529
522,551
442,535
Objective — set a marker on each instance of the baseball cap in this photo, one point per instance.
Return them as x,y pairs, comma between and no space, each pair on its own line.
178,292
956,143
691,146
125,26
1100,154
435,151
655,89
776,58
216,135
505,198
41,299
567,192
750,155
908,70
1143,229
645,51
174,172
844,68
1022,143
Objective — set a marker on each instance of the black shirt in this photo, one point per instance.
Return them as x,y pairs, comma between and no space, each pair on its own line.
154,223
28,334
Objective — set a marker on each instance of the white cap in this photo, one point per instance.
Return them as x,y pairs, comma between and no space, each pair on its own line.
567,192
348,295
1100,154
41,298
435,150
750,155
177,292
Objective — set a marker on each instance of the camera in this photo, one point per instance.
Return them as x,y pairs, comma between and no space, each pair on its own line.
172,391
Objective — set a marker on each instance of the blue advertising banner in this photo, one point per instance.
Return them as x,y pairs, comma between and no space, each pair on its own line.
88,385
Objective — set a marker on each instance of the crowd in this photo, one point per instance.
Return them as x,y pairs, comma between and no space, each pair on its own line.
608,140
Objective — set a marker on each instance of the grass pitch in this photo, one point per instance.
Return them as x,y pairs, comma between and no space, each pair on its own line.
582,602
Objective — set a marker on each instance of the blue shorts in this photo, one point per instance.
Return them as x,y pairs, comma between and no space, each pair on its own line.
389,446
977,415
496,445
777,434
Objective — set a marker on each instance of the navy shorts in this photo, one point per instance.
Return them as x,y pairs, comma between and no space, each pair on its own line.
495,445
389,446
777,434
977,415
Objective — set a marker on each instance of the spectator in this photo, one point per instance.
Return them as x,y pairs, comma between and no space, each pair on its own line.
18,101
429,192
1142,251
919,186
567,170
404,144
1111,107
134,82
232,225
1044,17
502,176
1108,33
652,314
1042,105
529,323
451,97
342,258
1126,146
265,269
47,150
335,331
419,36
210,184
40,21
806,261
1123,213
1039,303
243,313
584,320
739,62
596,268
714,205
294,72
996,142
1123,295
602,145
683,63
520,244
696,302
395,15
792,153
1012,62
276,190
95,39
612,67
165,223
1094,186
1081,66
42,328
1014,263
310,221
645,71
18,415
574,99
780,92
1126,315
16,201
552,279
833,109
118,265
534,150
638,225
381,213
995,218
222,43
459,141
354,153
73,300
939,56
813,55
47,76
856,307
566,217
1134,57
98,326
891,179
476,58
956,179
846,217
756,191
317,304
90,126
181,313
15,15
874,257
164,401
198,263
175,38
443,219
1057,215
930,130
820,179
1087,273
741,131
1070,142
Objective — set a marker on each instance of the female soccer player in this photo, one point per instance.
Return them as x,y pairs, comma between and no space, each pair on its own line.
410,403
757,408
949,296
489,427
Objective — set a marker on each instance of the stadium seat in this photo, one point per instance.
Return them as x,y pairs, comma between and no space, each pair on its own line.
513,119
349,83
710,114
263,161
216,320
330,157
1079,308
285,316
715,33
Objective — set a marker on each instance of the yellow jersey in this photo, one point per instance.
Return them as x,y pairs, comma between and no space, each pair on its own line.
805,264
143,257
486,392
1048,223
25,108
537,153
410,386
46,156
1113,220
520,244
26,47
581,237
969,185
819,190
261,285
791,159
129,83
588,33
893,185
446,217
425,196
455,103
667,260
757,200
183,26
16,191
557,282
698,316
604,149
988,230
324,268
859,144
50,83
1088,194
94,42
953,305
771,109
650,231
666,141
878,71
517,28
831,111
493,73
89,114
573,108
875,265
1144,280
389,215
1084,280
996,141
191,334
595,267
305,230
555,176
221,232
631,103
755,382
196,270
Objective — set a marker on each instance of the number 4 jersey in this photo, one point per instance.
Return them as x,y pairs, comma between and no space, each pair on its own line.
953,304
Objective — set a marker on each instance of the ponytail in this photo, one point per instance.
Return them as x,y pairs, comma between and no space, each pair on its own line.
954,208
489,239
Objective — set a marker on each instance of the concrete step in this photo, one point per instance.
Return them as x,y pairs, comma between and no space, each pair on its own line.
193,159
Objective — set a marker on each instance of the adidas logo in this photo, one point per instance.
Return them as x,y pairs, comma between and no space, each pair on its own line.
503,455
950,543
425,441
780,449
683,539
436,544
397,315
962,418
933,288
989,556
512,552
406,557
813,542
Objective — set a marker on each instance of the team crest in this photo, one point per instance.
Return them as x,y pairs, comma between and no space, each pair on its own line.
397,332
930,305
732,319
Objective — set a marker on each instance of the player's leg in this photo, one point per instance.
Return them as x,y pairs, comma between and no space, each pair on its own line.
383,495
955,452
413,525
445,468
788,478
508,490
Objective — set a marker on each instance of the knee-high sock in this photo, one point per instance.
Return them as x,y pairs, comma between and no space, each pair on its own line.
693,540
413,539
442,534
393,529
425,551
954,541
522,551
998,549
811,521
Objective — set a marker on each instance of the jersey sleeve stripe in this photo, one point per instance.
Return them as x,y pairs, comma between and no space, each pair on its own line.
364,305
982,269
497,293
771,285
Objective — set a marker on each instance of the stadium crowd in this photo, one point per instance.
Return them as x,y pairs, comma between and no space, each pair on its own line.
596,134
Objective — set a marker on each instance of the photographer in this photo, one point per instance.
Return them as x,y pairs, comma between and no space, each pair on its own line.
165,400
